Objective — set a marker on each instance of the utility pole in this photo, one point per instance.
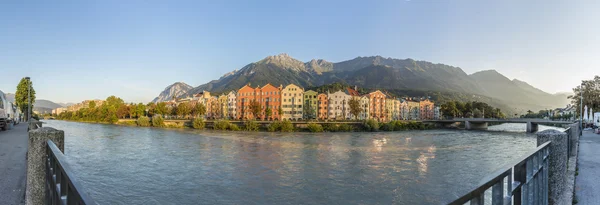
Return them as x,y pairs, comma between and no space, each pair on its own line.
581,109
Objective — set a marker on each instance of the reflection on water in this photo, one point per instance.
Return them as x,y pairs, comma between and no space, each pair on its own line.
131,165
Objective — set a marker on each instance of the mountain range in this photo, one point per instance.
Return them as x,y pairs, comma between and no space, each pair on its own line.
377,72
171,91
40,105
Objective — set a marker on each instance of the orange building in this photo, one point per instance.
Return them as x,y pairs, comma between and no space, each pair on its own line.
322,106
245,95
377,105
268,95
426,109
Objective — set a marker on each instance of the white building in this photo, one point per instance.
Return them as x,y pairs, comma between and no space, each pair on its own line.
231,105
437,113
339,107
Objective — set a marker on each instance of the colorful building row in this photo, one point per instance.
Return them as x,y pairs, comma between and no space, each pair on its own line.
292,102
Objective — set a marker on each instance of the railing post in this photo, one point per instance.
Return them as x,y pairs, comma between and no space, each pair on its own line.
574,139
557,163
36,162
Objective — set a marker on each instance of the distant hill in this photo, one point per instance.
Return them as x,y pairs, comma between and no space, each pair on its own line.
39,103
41,106
65,104
400,75
176,89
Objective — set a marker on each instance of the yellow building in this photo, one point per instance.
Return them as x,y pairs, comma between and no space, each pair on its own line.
413,110
222,104
292,96
389,108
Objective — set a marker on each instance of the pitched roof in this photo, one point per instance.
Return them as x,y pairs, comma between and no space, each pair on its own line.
352,92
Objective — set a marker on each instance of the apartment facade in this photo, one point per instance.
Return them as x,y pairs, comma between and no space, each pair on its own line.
396,109
231,105
311,104
270,97
364,107
222,102
426,109
338,105
413,109
377,105
245,95
404,110
323,106
292,106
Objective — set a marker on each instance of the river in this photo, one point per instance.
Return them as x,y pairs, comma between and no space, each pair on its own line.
134,165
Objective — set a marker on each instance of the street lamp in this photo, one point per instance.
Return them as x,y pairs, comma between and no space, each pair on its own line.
581,109
28,98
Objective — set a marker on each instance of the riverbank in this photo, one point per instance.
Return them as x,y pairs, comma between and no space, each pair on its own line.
276,126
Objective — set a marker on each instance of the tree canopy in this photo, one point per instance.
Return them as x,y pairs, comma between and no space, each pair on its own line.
22,96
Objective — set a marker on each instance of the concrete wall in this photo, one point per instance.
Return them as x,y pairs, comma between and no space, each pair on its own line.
36,162
557,162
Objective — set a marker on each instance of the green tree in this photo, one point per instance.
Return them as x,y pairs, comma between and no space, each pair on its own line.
255,108
140,110
92,104
268,113
22,97
123,111
477,113
590,89
151,108
280,112
199,109
132,113
183,109
355,109
161,108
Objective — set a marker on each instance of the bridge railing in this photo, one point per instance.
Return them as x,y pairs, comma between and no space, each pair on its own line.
526,182
61,185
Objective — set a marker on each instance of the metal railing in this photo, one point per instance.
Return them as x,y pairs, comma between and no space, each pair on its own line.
61,186
526,182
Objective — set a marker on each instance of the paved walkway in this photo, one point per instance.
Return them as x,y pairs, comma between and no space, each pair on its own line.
13,165
587,184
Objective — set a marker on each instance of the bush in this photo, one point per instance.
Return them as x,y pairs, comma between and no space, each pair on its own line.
128,123
390,126
234,127
399,125
313,127
371,125
344,127
251,125
287,126
275,126
221,125
143,121
330,127
198,123
158,121
173,125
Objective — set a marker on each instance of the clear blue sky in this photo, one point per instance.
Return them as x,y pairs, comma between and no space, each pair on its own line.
77,50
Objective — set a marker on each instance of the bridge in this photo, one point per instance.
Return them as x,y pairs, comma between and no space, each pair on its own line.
482,123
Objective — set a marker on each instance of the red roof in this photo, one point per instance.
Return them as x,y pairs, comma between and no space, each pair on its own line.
352,92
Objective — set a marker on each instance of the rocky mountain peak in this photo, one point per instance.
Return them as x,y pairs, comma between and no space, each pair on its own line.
171,91
319,66
285,61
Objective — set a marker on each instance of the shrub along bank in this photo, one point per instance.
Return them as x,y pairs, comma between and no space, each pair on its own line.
283,126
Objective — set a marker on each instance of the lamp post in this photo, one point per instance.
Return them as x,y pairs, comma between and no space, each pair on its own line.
581,109
28,98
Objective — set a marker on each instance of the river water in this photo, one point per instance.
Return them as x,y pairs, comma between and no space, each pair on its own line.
133,165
